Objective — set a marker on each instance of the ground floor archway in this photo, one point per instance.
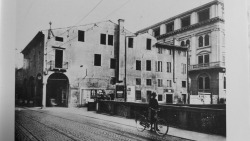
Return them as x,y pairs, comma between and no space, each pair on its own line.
57,90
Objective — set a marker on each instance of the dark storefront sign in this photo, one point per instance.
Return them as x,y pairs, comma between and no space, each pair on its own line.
119,91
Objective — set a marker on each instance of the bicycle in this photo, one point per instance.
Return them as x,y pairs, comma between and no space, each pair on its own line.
161,126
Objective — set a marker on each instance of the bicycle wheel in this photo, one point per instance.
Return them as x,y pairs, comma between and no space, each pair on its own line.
141,124
161,127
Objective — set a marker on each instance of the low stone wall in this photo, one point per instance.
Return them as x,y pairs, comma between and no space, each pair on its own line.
200,119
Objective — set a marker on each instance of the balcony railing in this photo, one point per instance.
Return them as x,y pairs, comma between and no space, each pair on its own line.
53,65
207,66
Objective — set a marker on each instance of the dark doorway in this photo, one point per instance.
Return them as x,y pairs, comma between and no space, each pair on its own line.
169,98
58,58
57,90
39,90
184,97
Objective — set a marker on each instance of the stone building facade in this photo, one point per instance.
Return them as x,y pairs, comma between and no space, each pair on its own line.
201,30
72,66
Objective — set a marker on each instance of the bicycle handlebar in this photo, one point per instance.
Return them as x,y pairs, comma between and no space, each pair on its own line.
155,109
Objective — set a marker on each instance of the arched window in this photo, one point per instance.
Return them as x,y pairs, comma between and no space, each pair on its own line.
203,83
206,40
187,42
182,43
200,41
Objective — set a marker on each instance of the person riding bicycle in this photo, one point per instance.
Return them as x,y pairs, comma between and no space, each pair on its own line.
153,103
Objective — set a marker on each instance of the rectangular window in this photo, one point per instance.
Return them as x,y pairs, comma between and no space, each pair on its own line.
148,82
60,39
168,66
203,59
58,58
160,50
169,83
103,39
206,58
159,66
184,84
159,97
156,31
185,21
97,60
170,27
138,81
110,40
130,42
148,65
138,65
148,44
160,83
184,68
81,35
137,95
200,59
112,63
203,15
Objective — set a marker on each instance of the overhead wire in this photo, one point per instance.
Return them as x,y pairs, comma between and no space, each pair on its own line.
117,9
89,12
79,20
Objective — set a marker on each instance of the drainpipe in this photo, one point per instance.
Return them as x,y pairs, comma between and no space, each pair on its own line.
174,61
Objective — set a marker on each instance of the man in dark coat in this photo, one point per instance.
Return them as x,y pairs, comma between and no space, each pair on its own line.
153,103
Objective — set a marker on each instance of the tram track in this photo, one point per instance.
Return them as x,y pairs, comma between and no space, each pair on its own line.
97,128
105,131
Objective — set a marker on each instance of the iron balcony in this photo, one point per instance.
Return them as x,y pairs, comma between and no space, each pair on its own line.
53,66
207,66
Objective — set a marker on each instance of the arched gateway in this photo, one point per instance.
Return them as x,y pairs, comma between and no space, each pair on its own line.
57,90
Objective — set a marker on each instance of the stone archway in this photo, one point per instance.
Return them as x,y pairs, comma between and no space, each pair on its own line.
57,90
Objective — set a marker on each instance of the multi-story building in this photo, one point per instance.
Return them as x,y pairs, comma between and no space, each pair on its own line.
202,30
70,66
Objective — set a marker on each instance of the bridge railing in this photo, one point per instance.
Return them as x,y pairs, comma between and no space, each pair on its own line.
206,120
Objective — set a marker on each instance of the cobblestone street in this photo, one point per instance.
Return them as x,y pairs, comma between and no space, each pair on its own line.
40,124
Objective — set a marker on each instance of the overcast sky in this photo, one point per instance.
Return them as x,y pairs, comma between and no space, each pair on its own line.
34,15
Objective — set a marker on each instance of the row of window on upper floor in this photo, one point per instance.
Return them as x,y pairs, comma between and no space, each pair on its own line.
81,38
203,41
158,65
103,40
168,83
185,21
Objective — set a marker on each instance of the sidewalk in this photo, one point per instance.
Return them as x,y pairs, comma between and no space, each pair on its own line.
131,122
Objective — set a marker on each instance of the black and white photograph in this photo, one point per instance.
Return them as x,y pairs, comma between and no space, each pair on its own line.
128,70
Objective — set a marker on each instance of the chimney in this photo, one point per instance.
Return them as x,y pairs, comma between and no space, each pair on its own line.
121,25
121,51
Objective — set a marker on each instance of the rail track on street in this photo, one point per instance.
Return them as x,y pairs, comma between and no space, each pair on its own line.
47,125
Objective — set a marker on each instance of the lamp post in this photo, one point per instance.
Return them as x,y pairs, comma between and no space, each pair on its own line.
188,47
